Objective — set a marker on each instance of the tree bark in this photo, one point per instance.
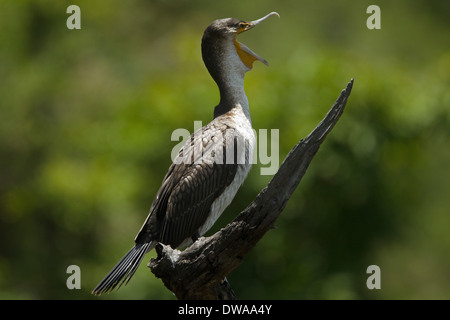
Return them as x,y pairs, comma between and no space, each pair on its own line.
199,271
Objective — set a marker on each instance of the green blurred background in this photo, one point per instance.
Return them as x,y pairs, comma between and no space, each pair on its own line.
87,115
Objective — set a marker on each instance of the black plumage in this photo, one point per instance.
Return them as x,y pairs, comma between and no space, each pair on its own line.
183,202
124,269
189,188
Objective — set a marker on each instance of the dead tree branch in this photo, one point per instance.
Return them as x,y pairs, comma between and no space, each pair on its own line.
199,271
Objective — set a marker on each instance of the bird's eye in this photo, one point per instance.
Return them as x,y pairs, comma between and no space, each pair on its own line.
242,25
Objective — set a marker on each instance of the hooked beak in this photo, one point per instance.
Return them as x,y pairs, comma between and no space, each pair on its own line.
256,22
246,54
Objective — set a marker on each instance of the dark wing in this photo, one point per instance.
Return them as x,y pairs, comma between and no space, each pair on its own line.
190,202
189,188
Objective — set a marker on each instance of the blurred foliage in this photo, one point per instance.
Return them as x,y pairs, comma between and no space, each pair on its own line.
85,142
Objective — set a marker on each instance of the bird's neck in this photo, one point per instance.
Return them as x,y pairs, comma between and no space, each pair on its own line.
232,95
229,76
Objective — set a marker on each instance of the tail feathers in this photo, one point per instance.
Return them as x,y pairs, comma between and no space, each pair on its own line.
124,270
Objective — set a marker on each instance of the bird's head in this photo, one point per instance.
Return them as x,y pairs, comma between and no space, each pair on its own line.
220,47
